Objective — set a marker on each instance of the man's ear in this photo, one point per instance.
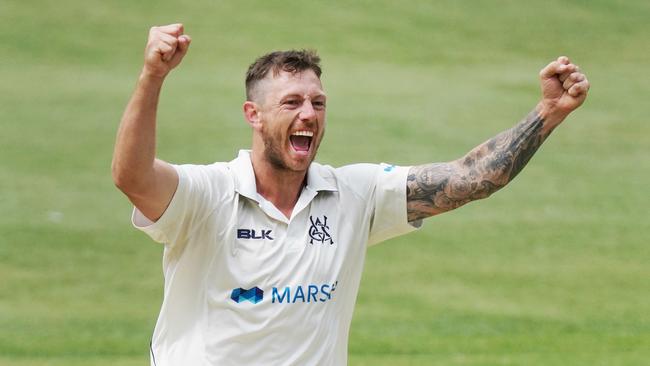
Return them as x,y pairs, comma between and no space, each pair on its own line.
252,114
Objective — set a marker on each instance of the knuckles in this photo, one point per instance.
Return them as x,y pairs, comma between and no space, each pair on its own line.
172,29
156,37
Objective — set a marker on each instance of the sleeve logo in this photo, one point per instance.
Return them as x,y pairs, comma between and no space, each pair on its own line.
389,168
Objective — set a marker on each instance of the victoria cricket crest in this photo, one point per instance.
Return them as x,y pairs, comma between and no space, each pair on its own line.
319,231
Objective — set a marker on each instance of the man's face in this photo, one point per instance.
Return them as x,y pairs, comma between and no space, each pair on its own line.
292,116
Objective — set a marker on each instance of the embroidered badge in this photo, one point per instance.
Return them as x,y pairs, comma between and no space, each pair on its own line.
319,231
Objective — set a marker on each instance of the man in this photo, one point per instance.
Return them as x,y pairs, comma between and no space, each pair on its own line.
263,255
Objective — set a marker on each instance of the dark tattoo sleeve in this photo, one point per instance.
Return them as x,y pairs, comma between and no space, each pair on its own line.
435,188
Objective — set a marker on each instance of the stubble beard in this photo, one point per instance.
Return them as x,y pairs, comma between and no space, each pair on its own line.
273,153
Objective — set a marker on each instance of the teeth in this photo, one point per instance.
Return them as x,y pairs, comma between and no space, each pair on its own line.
303,133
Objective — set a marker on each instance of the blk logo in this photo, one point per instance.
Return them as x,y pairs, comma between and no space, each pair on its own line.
251,234
319,231
253,295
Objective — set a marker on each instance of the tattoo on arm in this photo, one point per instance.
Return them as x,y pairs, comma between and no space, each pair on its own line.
435,188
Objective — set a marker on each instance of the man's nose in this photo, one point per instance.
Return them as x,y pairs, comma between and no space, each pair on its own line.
307,112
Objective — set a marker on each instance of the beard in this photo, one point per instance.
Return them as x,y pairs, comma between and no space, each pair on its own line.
273,152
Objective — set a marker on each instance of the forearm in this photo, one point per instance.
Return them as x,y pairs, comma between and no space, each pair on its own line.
135,147
502,157
436,188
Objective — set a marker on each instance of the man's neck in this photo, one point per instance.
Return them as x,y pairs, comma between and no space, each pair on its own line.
281,187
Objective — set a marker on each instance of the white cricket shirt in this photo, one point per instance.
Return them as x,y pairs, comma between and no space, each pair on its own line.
244,285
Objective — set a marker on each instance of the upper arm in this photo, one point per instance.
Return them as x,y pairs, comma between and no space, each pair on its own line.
432,189
380,190
155,192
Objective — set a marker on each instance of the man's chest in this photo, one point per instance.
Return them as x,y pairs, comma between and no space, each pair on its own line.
321,244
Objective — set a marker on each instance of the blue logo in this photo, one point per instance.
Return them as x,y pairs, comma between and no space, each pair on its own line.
319,231
389,168
251,234
303,293
253,295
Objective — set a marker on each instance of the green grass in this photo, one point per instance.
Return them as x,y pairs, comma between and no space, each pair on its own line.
553,270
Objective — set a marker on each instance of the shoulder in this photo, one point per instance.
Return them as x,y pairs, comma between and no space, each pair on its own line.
214,170
358,178
206,177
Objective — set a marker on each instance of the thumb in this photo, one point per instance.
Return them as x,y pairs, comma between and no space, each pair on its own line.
183,45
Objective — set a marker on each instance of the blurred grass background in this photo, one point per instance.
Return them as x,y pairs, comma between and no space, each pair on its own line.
553,270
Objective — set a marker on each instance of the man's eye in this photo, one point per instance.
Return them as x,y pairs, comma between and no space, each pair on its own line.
318,104
292,102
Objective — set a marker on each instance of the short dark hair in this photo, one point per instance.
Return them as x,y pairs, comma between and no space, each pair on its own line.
292,61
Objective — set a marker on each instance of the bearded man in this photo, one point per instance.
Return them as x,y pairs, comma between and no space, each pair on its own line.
263,255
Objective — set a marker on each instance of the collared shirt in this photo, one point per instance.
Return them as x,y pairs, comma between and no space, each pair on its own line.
244,284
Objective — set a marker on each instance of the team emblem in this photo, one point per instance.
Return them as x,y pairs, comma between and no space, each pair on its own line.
319,231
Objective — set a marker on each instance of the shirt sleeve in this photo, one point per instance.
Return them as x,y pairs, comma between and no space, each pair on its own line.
390,214
200,190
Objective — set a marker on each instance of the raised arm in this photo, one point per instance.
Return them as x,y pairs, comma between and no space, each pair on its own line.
436,188
149,183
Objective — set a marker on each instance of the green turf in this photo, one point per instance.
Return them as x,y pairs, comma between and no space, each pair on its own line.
553,270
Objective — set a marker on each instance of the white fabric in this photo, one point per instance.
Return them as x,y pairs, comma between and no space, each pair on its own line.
308,266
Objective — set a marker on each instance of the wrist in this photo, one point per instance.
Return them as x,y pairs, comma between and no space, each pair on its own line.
552,116
150,76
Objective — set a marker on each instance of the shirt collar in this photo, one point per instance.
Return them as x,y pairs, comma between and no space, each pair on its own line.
245,177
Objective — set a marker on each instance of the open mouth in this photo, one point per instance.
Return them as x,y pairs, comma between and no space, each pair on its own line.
301,140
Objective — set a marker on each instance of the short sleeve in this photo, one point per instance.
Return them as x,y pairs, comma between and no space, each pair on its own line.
200,190
390,213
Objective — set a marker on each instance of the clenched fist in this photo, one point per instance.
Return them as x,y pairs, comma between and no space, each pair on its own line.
166,47
564,88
